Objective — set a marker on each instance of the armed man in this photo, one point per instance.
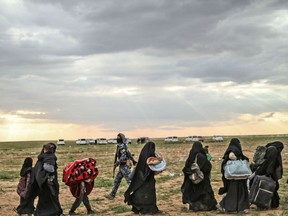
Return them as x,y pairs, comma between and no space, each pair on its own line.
122,157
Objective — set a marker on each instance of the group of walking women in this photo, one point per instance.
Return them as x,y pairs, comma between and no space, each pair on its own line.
141,192
200,197
36,184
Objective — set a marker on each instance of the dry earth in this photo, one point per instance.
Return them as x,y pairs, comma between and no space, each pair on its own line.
168,182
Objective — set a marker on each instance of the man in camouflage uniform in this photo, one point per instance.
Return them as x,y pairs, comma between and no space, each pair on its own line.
121,157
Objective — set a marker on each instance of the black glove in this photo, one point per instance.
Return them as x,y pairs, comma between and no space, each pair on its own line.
221,191
134,162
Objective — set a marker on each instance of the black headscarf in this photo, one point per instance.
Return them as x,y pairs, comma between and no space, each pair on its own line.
277,144
236,148
121,138
27,166
196,149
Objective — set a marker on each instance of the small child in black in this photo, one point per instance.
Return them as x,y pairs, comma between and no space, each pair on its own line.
26,205
48,159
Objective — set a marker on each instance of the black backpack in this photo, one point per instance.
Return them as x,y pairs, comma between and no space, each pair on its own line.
258,157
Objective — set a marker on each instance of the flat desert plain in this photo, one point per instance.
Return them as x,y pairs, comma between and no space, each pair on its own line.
168,183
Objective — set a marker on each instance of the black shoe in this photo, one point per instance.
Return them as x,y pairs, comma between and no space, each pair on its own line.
91,212
109,196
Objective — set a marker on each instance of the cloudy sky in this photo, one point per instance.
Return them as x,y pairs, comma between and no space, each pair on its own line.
72,69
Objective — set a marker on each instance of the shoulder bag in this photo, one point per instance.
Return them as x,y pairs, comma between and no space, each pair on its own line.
237,170
197,175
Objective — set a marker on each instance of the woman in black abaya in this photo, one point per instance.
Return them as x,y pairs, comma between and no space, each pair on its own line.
269,167
199,196
279,167
141,193
48,200
237,198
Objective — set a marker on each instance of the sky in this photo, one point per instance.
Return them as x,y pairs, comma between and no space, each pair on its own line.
88,69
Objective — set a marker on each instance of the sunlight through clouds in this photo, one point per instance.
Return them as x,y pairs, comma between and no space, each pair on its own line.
23,112
150,69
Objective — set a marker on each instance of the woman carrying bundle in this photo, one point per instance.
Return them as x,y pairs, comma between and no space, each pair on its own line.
237,198
141,193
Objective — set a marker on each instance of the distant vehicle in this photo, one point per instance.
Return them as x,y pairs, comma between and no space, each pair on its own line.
217,138
194,139
143,140
82,142
101,141
128,141
112,141
61,142
171,139
91,141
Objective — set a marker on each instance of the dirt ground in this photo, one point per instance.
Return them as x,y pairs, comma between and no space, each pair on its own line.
169,197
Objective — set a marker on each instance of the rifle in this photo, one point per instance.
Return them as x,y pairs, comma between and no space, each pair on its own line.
114,168
115,160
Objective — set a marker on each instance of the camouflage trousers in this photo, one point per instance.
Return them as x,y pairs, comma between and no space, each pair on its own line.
123,172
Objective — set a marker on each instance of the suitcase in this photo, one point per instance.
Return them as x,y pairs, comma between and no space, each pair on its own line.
262,191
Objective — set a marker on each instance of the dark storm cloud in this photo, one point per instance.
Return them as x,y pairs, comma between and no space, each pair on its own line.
194,29
69,53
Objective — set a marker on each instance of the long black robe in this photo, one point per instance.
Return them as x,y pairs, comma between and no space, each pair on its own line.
279,146
268,167
141,193
199,196
237,198
26,204
48,194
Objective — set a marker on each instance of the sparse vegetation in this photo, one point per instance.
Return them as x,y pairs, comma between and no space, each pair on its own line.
8,175
121,208
168,183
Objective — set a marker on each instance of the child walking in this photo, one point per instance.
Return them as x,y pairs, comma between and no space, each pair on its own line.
81,191
26,206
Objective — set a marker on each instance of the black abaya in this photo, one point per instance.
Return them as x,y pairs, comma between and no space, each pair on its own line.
48,200
199,196
141,193
268,167
237,198
27,204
